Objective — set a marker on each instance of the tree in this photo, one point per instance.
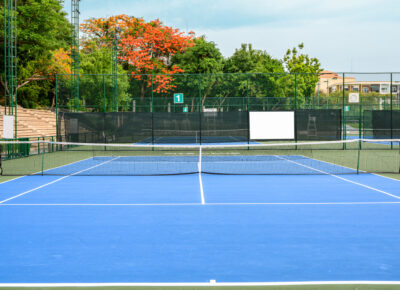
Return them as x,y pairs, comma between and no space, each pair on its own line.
248,60
201,58
97,89
100,92
145,47
42,30
149,50
260,82
307,69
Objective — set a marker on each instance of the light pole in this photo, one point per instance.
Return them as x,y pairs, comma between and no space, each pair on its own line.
327,93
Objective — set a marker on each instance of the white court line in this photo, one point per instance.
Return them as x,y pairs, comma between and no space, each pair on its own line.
212,283
207,204
339,177
201,189
54,181
200,178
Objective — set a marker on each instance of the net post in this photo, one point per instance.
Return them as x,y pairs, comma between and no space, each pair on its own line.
200,159
42,155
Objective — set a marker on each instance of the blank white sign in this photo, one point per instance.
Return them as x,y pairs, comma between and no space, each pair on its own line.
8,126
271,125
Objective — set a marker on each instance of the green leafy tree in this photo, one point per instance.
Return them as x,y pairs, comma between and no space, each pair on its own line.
42,29
98,92
306,68
203,58
249,60
263,86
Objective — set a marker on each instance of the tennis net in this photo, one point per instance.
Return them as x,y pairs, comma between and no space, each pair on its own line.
329,157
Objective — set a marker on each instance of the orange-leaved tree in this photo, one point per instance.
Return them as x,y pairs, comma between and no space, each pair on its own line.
146,46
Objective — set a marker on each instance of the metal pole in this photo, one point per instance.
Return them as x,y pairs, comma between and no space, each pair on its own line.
391,109
247,93
295,91
57,125
5,58
199,107
344,114
327,93
358,156
104,95
42,155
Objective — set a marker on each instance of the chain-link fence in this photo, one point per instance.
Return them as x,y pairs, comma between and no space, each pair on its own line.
369,102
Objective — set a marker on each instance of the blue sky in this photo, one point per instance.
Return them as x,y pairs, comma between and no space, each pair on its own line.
346,35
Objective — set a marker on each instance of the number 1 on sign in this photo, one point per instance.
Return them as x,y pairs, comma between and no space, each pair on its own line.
178,98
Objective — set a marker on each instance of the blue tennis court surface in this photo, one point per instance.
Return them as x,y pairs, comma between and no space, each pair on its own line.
199,227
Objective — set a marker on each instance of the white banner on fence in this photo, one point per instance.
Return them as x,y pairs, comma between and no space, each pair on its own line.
272,125
8,126
354,98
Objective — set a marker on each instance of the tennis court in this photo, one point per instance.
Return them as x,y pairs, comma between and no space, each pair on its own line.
258,219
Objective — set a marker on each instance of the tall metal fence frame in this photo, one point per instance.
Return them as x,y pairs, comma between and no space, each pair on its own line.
293,99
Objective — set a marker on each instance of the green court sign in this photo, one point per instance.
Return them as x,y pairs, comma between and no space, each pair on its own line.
178,98
346,108
185,109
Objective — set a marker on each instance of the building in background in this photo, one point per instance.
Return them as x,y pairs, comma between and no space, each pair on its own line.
330,82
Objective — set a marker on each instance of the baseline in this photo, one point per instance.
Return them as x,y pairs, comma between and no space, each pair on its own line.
207,204
212,283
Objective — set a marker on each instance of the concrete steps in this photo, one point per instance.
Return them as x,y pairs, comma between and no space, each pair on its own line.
32,123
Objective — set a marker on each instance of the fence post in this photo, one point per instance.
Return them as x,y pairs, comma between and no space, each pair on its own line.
358,155
344,113
247,93
391,109
199,107
152,95
360,122
56,95
295,91
152,113
104,94
42,155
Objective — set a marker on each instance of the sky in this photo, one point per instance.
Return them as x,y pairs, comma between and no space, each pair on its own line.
345,35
